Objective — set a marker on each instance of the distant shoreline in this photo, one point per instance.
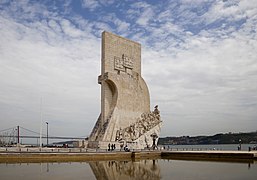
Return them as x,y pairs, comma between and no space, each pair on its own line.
226,138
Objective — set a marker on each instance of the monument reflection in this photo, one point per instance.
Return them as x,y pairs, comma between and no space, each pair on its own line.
116,170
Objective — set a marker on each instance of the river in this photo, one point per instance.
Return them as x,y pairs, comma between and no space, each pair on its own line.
121,170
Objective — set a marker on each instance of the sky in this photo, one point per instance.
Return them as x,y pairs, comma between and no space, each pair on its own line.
199,60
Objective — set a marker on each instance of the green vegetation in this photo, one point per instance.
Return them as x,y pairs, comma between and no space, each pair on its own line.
228,138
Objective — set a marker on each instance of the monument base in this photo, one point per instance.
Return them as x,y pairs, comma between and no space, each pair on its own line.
143,142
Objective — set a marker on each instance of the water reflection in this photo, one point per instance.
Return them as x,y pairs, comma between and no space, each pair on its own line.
116,170
123,170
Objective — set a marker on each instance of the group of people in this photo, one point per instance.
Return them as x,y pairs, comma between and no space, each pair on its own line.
126,148
111,147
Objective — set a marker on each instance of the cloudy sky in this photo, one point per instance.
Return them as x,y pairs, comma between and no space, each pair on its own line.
199,59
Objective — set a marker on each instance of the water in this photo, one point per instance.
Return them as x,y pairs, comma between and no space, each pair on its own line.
143,170
230,147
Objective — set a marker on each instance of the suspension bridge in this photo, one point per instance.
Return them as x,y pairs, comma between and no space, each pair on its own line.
15,135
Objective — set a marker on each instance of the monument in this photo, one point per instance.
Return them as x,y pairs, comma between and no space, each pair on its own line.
125,119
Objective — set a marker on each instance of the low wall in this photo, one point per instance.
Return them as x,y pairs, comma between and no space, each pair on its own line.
9,157
210,155
69,156
62,157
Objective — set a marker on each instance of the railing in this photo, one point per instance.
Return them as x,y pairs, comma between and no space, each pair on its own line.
88,150
43,150
192,149
61,150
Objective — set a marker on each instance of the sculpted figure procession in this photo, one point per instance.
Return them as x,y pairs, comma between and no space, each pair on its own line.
145,123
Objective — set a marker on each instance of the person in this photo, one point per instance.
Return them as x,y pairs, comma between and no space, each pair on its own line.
126,148
109,147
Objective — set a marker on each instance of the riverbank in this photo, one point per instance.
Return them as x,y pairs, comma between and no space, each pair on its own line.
77,155
226,156
23,157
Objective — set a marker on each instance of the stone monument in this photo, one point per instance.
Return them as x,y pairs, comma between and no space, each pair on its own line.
125,119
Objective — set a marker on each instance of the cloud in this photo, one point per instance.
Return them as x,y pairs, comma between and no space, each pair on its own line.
209,80
203,78
143,13
90,4
119,25
93,5
198,59
224,10
53,60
